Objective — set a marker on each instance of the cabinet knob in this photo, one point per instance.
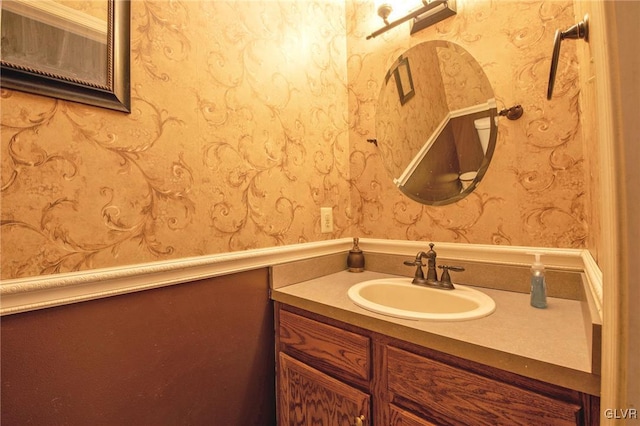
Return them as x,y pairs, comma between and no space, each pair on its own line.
359,421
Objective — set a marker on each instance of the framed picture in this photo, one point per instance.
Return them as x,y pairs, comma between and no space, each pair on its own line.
401,72
50,48
404,81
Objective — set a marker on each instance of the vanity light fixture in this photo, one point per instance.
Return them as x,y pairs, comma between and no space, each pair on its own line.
431,12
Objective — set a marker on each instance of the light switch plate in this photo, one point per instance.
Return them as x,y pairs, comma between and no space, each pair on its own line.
326,220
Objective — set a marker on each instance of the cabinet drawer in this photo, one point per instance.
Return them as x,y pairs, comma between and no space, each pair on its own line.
453,396
325,347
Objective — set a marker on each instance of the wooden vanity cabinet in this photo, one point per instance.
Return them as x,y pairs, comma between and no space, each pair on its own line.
310,397
337,372
399,417
323,373
449,395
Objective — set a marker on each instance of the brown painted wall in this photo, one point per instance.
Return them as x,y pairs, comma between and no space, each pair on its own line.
199,353
436,177
468,146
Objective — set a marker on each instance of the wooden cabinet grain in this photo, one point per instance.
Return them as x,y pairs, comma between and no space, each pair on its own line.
310,397
343,353
330,373
452,396
323,373
400,417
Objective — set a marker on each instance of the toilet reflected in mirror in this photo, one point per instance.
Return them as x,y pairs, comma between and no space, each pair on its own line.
467,178
483,127
437,145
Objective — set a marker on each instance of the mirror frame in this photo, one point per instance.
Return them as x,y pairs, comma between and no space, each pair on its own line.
116,94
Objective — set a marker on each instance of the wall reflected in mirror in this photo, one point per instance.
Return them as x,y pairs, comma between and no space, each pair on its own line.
68,49
437,145
53,37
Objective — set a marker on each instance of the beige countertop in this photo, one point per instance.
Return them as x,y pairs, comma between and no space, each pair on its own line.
545,344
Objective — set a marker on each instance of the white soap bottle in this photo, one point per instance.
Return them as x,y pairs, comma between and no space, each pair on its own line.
538,284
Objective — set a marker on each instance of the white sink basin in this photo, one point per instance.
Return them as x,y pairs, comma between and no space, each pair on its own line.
397,297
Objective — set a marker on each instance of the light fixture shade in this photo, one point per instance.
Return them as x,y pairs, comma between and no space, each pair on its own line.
442,11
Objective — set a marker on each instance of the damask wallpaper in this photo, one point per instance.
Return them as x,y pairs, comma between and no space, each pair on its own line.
535,191
248,116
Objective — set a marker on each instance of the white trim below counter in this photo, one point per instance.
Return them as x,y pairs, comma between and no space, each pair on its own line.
27,294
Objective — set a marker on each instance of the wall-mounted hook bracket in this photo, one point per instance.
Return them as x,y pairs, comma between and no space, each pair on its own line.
577,31
512,113
373,141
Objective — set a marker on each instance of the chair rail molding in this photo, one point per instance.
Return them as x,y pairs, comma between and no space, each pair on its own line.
38,292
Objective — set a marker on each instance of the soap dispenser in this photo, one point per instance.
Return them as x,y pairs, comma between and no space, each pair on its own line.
538,284
355,259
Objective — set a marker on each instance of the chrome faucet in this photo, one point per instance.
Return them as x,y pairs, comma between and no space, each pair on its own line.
432,276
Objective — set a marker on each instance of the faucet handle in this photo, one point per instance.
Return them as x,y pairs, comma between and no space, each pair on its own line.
445,279
451,268
419,275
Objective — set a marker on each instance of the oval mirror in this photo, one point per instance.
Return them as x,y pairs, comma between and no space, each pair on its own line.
436,122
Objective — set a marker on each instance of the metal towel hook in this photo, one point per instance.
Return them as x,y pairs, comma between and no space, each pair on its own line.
513,113
578,31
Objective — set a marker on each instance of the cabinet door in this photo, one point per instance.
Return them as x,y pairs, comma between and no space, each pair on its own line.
310,397
400,417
